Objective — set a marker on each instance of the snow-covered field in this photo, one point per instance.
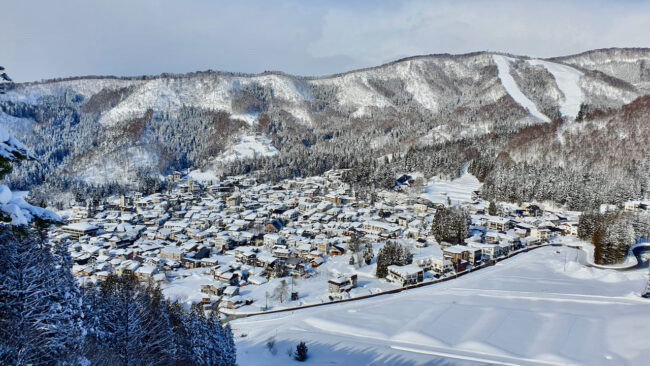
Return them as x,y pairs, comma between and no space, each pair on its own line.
458,190
537,308
508,82
249,146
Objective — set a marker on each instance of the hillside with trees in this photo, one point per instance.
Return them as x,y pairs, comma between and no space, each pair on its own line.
434,114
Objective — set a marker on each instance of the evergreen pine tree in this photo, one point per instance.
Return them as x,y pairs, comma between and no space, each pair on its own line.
40,311
301,352
492,209
368,254
131,325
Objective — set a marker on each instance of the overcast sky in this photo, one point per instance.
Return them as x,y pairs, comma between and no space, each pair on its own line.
46,38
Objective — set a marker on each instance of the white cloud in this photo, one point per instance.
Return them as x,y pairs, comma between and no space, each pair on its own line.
48,39
536,28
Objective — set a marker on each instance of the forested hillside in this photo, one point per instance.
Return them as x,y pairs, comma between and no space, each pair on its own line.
571,129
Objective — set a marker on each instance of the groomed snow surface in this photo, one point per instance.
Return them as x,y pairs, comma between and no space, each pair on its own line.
508,82
567,79
537,308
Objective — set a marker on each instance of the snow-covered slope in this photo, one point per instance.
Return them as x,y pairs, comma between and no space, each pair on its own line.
631,65
431,82
249,146
503,63
450,96
457,191
538,308
12,149
568,81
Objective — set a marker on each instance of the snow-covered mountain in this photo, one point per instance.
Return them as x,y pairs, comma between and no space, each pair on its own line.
102,129
628,64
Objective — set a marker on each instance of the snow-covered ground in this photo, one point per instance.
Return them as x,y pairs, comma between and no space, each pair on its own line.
508,82
458,190
567,79
204,175
249,146
537,308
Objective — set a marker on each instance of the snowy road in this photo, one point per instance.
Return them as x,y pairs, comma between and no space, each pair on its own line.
532,309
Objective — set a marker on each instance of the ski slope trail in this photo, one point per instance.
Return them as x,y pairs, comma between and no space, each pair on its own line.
508,82
567,79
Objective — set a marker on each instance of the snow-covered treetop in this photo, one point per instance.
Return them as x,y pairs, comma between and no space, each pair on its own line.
12,149
13,206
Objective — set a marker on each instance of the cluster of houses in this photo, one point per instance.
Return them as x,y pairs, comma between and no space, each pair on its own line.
242,233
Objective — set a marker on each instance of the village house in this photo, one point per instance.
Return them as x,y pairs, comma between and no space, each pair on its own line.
524,230
474,256
569,228
246,255
441,266
225,275
232,302
266,260
458,255
231,291
499,223
637,206
273,239
171,252
280,252
488,251
146,273
80,229
405,275
233,200
213,289
336,250
342,283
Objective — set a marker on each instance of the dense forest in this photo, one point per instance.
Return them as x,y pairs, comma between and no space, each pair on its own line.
47,318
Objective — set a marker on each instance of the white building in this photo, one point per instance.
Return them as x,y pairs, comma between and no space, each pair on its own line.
405,275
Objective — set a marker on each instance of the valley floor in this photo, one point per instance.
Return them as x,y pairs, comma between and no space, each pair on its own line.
537,308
